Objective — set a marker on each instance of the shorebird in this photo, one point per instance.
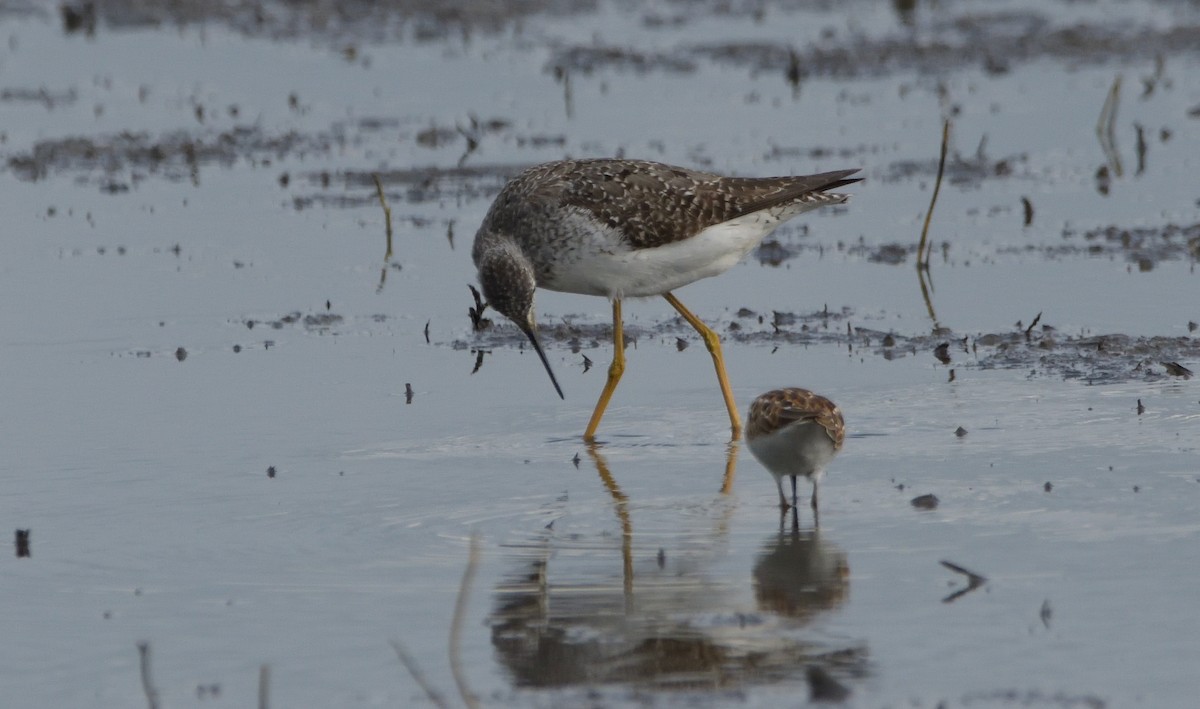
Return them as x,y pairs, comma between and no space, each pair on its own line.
630,228
795,433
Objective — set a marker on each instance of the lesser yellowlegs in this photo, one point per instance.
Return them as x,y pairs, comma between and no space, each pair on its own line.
630,228
795,433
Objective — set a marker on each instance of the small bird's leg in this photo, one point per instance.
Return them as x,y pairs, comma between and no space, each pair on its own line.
713,343
615,370
783,503
793,491
816,513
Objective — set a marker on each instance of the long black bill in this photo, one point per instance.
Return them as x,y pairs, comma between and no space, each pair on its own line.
537,346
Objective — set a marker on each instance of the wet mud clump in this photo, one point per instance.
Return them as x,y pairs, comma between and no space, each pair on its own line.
1095,359
118,162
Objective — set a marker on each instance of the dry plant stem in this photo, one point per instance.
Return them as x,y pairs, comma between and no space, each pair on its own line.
972,578
411,665
922,248
264,686
147,683
1104,127
974,581
387,216
1029,329
460,612
926,281
387,220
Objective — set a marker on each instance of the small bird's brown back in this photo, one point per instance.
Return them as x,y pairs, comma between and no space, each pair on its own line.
777,408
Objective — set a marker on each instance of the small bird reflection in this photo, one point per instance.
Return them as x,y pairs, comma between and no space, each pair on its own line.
578,612
799,575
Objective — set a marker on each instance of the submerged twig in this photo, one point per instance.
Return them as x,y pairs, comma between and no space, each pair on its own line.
974,581
147,682
387,223
795,72
1141,148
563,76
1105,127
1176,369
460,612
1037,318
411,665
922,248
926,280
264,686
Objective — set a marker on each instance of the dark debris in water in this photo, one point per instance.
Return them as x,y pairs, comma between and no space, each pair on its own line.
1033,698
418,185
45,97
1145,246
118,162
959,170
313,322
974,581
926,502
963,38
964,34
1176,369
1094,359
363,20
823,687
22,543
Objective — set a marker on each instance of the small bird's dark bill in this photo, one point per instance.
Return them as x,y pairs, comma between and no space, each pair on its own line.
537,346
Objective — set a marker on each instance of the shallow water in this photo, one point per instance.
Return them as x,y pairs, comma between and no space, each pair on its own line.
192,263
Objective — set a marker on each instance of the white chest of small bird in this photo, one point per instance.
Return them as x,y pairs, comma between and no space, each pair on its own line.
795,433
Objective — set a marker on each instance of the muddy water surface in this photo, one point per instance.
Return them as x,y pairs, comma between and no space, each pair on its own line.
235,432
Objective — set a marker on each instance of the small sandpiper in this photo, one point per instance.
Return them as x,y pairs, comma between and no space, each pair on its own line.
794,432
630,228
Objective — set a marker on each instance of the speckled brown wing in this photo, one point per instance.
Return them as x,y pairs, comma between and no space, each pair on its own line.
776,409
653,204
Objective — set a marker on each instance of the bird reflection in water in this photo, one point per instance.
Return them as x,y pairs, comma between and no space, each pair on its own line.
799,575
666,620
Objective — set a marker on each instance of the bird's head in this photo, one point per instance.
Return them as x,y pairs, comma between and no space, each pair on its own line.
508,282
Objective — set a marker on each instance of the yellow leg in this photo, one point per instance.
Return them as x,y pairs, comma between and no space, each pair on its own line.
615,370
730,468
714,348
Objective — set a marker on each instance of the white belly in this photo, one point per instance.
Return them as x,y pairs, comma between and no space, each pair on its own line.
603,270
802,449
